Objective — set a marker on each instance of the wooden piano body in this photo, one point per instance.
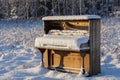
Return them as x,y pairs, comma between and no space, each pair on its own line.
75,61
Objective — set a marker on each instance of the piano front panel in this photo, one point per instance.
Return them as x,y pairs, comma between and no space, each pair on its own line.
67,60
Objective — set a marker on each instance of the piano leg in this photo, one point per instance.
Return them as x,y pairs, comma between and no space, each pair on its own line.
42,59
83,53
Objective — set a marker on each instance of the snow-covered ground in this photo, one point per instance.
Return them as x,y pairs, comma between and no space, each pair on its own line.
19,60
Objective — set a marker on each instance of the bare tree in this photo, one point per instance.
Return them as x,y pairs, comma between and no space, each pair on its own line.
25,9
73,7
53,7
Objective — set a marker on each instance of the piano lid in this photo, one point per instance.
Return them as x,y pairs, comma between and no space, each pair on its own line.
71,17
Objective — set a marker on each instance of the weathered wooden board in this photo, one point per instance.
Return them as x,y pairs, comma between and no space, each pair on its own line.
95,46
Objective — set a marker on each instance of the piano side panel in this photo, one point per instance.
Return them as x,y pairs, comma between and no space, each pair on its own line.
94,47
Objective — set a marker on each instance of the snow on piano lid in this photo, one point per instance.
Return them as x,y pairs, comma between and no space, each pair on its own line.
72,17
61,42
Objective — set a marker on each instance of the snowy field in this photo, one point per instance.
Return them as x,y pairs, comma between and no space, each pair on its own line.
19,60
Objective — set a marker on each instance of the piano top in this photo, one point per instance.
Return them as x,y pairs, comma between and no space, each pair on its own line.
71,17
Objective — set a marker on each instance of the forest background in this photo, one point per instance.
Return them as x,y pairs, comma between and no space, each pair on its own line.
28,9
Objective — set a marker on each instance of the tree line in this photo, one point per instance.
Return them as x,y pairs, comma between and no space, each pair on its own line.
26,9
